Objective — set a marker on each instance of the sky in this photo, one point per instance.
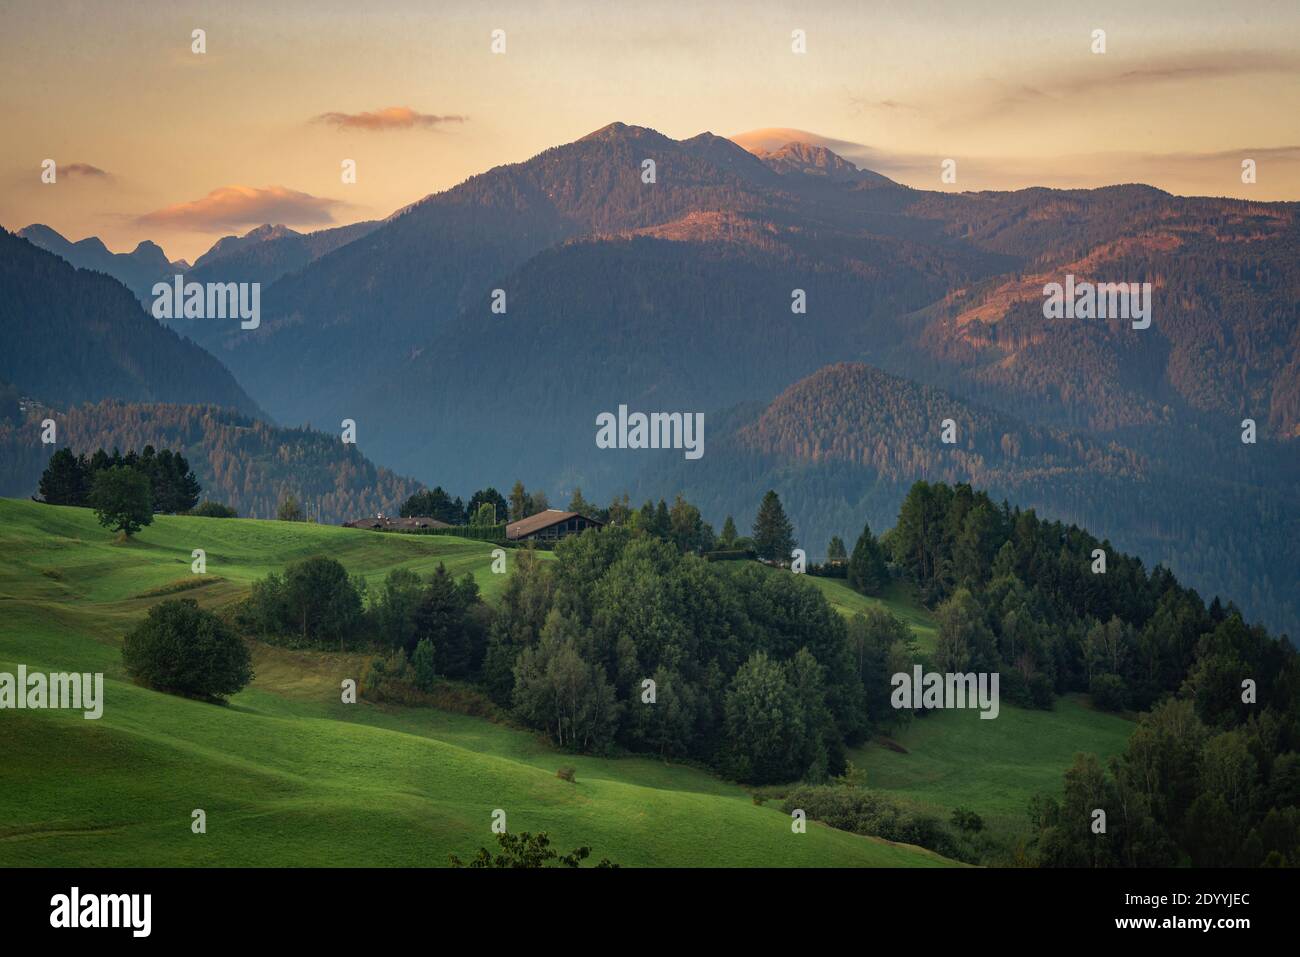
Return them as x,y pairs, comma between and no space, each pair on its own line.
154,141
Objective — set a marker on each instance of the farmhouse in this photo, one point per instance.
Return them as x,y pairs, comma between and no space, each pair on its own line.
549,525
382,524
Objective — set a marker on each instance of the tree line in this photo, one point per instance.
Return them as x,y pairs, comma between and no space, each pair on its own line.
70,479
1211,776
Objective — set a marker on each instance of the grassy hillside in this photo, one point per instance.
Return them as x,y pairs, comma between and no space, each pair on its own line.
896,599
286,773
957,759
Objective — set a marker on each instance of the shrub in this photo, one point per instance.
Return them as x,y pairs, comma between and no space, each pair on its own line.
289,510
964,819
209,509
730,555
390,678
567,773
1042,694
864,811
526,850
183,649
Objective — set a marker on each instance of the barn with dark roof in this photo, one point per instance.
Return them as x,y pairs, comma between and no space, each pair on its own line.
550,525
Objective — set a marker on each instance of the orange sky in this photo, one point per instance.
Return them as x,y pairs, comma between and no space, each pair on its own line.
156,142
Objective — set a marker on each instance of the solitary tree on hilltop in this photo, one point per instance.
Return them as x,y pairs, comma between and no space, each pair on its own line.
121,499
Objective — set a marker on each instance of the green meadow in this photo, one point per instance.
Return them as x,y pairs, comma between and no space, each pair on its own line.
952,759
896,599
992,766
286,773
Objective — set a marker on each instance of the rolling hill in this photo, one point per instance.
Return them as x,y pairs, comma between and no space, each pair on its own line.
286,761
946,760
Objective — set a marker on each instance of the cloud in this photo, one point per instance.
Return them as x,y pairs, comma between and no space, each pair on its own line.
861,104
234,206
84,170
1092,80
1057,88
389,118
1209,65
774,137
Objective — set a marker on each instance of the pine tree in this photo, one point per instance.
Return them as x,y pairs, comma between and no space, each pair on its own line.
65,480
579,504
835,551
773,533
729,535
867,572
434,504
663,524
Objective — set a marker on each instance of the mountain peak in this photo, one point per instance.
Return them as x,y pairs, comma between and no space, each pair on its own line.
623,131
267,231
784,150
39,231
93,244
228,245
814,160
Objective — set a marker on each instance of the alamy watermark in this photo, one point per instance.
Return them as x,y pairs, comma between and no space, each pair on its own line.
179,299
61,690
926,690
74,909
1103,300
654,430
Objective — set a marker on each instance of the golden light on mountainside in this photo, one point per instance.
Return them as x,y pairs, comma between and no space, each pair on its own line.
417,98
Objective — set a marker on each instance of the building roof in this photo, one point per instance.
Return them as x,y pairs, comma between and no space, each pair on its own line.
535,523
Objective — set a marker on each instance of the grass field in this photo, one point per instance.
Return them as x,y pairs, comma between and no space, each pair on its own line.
957,759
287,774
895,599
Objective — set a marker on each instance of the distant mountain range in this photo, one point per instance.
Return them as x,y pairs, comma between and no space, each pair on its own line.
268,253
262,254
72,335
669,287
138,270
